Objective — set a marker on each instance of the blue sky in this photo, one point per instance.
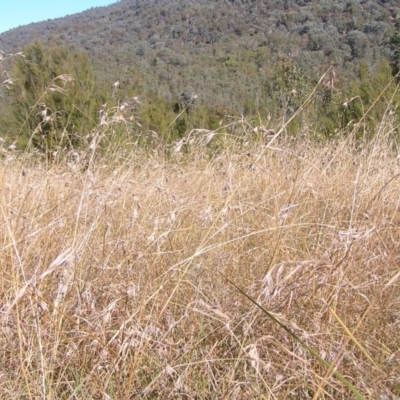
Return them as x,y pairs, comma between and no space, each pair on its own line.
14,13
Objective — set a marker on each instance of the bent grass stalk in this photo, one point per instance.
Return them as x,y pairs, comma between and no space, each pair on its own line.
331,368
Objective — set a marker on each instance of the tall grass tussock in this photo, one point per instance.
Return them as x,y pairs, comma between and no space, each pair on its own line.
221,267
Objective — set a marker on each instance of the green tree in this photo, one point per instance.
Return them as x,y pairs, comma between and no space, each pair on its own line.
289,88
54,98
394,45
367,102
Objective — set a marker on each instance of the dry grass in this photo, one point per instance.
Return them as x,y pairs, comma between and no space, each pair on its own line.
113,287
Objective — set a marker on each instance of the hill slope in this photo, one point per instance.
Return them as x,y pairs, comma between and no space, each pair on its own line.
226,50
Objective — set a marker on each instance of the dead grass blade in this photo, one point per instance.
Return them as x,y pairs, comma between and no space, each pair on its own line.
352,337
339,376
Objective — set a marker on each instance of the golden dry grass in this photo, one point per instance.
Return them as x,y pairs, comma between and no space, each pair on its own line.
113,287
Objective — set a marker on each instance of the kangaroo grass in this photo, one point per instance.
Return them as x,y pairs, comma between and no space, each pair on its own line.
339,376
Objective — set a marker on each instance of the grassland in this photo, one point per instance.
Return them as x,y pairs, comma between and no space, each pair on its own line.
119,270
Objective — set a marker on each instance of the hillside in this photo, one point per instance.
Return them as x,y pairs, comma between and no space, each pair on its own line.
226,51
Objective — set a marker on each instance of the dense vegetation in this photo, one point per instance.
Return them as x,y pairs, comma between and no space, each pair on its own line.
260,57
115,267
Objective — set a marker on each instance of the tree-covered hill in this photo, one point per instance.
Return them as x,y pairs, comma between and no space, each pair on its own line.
244,56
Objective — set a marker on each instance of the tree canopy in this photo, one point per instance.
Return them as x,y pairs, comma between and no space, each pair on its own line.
54,98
